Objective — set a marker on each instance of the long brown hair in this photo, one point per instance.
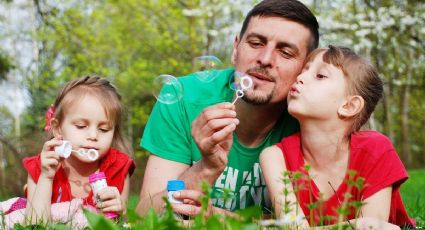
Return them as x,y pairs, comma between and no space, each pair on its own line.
362,77
108,96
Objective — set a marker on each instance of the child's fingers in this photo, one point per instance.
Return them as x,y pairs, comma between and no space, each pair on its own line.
108,193
110,205
52,162
51,144
50,155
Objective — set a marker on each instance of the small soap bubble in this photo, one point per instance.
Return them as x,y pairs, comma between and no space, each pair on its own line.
205,66
167,89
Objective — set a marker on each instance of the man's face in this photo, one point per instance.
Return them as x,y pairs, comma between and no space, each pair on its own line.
272,51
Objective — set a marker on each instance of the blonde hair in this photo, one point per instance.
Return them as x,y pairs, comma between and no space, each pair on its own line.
362,77
108,96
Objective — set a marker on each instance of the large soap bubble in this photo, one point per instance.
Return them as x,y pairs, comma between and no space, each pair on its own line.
167,89
205,66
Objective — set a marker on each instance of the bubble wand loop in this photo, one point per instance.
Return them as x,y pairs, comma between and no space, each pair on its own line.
245,84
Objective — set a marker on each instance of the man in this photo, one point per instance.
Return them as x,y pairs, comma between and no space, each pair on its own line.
204,137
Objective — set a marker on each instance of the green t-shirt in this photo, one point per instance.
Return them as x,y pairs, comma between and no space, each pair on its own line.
168,135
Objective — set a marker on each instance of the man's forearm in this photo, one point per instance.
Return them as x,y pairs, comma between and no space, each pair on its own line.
154,201
199,172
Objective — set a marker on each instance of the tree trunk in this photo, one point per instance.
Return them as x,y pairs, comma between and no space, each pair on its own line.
404,120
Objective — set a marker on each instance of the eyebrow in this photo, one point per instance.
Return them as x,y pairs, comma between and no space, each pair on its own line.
279,45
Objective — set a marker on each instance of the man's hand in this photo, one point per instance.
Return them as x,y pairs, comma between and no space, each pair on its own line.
192,205
212,131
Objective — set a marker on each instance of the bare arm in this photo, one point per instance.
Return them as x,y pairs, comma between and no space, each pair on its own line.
40,194
273,166
158,171
39,200
212,131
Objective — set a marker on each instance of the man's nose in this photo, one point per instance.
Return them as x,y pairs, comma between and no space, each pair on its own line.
266,56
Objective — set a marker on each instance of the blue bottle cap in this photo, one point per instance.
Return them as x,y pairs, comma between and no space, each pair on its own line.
175,185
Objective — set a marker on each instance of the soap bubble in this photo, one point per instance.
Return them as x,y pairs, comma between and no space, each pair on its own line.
205,66
241,81
167,89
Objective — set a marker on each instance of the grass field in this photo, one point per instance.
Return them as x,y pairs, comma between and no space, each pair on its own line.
412,191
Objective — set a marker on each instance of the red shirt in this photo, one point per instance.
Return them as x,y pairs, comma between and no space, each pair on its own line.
115,164
372,157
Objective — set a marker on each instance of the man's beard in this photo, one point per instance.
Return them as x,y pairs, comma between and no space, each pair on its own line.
255,98
258,98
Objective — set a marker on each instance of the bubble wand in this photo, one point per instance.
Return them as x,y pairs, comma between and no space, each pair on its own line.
245,83
65,150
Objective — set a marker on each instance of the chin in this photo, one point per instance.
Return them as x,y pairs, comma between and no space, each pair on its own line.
257,98
294,111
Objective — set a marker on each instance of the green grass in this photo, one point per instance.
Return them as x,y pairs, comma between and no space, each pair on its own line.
412,191
413,195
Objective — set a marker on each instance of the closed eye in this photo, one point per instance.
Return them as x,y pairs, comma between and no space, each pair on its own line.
321,76
286,54
104,130
255,43
80,126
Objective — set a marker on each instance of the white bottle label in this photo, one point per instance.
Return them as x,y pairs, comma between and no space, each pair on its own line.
172,199
96,187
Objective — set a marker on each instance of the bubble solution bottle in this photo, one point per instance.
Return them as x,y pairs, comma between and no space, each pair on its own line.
172,187
98,182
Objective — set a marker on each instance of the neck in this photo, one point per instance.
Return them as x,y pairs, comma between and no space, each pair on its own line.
256,121
324,143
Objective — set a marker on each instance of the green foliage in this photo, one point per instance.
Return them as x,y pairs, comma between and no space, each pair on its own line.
5,66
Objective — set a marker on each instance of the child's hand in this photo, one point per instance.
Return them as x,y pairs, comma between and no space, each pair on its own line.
49,159
110,200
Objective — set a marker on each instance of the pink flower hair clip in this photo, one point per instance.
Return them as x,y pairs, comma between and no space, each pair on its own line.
50,114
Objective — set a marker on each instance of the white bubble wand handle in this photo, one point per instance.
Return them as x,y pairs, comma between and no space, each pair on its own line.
239,94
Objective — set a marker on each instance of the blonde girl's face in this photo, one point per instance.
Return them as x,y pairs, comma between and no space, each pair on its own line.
86,126
319,91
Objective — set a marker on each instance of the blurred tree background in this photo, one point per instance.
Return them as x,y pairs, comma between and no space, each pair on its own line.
46,43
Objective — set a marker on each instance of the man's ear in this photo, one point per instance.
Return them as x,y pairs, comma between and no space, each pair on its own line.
235,47
351,107
55,127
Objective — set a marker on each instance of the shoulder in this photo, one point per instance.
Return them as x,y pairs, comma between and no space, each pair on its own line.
270,152
205,91
34,160
272,158
372,141
33,166
117,161
373,152
290,142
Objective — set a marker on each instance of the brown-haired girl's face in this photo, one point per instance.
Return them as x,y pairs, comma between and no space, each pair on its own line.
318,92
86,125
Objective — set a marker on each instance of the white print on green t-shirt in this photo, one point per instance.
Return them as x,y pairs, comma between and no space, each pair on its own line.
245,189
